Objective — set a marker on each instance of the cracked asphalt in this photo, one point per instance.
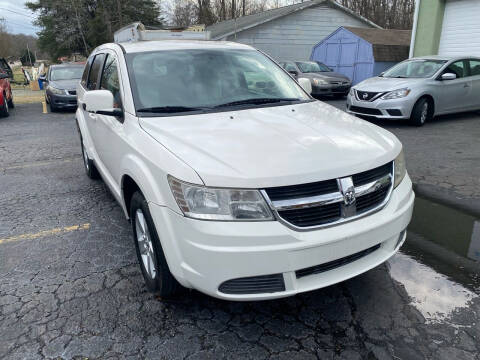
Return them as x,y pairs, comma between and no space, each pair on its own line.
70,286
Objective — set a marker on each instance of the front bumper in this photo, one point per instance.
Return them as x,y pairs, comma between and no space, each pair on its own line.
384,109
62,101
204,254
330,89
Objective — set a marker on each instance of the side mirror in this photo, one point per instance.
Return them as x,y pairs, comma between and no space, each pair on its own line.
293,72
449,76
101,102
305,84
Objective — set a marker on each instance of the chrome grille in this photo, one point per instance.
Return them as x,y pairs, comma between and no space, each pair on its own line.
330,202
367,95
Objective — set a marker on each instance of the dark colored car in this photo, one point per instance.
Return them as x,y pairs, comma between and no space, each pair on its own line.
61,84
6,96
324,80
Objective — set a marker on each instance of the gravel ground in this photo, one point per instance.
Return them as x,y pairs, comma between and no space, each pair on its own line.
70,286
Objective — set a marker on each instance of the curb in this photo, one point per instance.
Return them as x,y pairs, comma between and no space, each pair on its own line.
449,198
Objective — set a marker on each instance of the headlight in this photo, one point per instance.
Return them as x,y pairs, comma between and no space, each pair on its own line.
317,81
396,94
201,202
56,91
400,169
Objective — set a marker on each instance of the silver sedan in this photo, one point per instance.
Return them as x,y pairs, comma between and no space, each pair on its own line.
419,89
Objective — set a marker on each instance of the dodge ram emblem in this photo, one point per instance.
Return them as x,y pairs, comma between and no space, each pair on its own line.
349,197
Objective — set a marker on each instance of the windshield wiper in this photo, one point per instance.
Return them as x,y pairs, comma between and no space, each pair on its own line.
171,109
257,101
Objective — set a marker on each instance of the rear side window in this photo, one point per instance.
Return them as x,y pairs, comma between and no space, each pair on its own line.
95,70
289,67
474,67
85,72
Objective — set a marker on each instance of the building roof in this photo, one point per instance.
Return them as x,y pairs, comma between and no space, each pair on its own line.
388,44
229,27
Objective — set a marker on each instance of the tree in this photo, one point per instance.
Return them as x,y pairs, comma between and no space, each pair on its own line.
81,25
5,41
27,58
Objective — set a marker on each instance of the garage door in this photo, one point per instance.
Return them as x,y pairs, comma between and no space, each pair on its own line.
461,28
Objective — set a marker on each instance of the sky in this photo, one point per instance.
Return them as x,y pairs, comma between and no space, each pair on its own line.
18,18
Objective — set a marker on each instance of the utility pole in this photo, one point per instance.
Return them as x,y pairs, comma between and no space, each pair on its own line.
29,57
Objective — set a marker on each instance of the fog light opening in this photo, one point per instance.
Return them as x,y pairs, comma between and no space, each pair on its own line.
401,238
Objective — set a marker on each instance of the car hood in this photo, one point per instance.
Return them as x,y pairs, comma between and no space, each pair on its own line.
383,84
274,146
65,84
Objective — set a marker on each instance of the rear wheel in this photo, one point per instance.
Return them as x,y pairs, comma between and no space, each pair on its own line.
4,108
422,112
153,264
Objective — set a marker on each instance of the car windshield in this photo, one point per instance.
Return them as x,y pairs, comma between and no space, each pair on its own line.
171,81
418,68
66,73
311,67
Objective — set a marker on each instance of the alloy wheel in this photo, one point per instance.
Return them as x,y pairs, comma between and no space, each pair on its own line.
145,244
423,116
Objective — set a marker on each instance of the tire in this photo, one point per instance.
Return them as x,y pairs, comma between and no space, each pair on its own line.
90,168
151,258
4,109
422,112
52,107
11,105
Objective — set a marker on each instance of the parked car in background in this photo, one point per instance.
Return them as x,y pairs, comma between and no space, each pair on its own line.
61,84
324,81
239,190
419,89
6,95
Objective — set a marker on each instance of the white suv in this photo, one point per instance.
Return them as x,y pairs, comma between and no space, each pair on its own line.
237,182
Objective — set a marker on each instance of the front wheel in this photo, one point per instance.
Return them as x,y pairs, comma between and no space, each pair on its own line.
90,168
11,105
421,113
153,264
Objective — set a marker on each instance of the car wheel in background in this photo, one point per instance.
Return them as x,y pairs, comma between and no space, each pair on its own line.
90,168
11,105
421,113
4,108
153,264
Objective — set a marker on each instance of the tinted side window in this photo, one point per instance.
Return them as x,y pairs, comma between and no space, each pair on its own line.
85,72
290,67
95,72
458,68
474,67
110,80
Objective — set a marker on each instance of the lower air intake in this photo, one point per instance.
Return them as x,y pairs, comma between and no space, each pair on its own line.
253,285
317,269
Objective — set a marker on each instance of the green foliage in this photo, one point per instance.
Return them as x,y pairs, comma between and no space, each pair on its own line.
27,58
79,26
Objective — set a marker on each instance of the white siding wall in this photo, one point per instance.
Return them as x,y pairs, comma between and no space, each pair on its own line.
461,28
292,37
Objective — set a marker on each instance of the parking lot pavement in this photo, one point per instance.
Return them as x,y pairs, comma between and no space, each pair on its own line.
443,156
70,286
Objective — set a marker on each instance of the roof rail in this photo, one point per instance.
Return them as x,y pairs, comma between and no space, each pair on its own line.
138,32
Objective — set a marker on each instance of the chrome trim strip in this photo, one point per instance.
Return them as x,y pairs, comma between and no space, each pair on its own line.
359,191
307,202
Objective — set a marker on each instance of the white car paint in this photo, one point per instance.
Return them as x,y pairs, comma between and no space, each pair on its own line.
255,149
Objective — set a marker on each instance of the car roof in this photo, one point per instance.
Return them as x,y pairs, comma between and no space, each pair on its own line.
67,65
145,46
445,57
